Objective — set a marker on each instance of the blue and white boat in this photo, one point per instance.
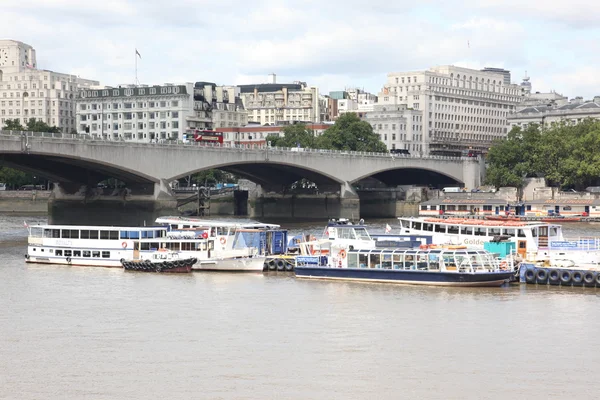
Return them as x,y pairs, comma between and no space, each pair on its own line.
426,265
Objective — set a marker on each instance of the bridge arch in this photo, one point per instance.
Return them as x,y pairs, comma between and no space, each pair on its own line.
410,175
272,174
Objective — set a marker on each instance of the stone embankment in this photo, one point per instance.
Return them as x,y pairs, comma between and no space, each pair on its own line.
24,202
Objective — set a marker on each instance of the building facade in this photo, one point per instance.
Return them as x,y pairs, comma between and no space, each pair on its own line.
573,112
273,103
255,136
141,113
163,112
398,127
27,92
461,108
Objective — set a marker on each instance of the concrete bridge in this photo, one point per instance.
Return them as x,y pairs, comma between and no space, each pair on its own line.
78,162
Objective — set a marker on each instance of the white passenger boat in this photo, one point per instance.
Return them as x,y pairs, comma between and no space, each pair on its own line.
110,246
535,241
223,232
456,266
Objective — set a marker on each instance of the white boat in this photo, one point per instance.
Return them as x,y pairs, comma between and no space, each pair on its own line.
110,246
535,241
222,232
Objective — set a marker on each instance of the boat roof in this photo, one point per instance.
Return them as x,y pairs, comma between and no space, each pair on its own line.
92,227
475,222
417,250
567,202
214,223
461,201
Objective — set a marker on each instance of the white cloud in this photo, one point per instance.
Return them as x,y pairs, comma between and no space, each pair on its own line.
331,44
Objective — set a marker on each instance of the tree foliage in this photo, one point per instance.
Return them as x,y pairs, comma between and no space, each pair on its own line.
12,177
297,135
350,133
566,154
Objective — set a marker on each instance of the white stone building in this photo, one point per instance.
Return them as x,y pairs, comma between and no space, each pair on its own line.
27,92
272,103
461,108
148,113
573,112
398,127
141,113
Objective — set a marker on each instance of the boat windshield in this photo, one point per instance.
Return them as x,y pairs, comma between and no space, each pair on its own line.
362,234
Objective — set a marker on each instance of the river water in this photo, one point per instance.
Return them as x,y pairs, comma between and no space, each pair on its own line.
95,333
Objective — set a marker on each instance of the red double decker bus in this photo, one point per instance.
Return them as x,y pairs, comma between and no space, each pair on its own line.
204,136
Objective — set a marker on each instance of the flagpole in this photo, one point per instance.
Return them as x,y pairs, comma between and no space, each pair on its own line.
136,76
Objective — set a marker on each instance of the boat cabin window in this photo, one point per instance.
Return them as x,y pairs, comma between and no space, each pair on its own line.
543,230
508,232
409,261
96,254
417,226
345,233
106,254
480,231
424,208
94,234
68,253
462,207
76,253
36,232
493,231
188,246
363,260
69,234
87,253
520,233
553,231
129,235
362,234
58,253
428,227
451,208
439,228
374,261
398,260
466,230
453,229
534,232
352,260
172,246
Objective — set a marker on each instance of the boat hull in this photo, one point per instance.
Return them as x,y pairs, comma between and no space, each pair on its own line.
409,277
242,264
168,267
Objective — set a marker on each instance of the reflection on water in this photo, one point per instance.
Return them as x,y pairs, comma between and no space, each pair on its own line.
94,333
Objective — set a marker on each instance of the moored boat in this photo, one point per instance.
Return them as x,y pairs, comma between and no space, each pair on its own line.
415,266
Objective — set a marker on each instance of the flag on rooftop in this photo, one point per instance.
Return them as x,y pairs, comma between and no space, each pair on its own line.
388,228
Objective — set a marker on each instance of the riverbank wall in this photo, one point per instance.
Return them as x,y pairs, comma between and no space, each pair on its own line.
24,202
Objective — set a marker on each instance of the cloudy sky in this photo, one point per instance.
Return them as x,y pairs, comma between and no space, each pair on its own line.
329,43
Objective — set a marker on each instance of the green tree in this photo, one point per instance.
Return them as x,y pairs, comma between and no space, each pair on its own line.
566,154
12,177
350,133
39,126
13,125
297,135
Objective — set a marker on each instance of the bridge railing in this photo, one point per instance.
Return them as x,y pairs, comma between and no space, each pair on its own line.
224,146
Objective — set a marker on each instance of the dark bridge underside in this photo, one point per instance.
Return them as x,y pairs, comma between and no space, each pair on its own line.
414,176
72,172
275,177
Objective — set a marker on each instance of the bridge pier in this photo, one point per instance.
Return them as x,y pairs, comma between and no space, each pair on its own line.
118,207
343,204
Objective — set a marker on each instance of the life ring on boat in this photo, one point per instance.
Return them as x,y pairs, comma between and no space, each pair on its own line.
342,253
124,245
504,265
423,247
598,279
69,260
223,240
